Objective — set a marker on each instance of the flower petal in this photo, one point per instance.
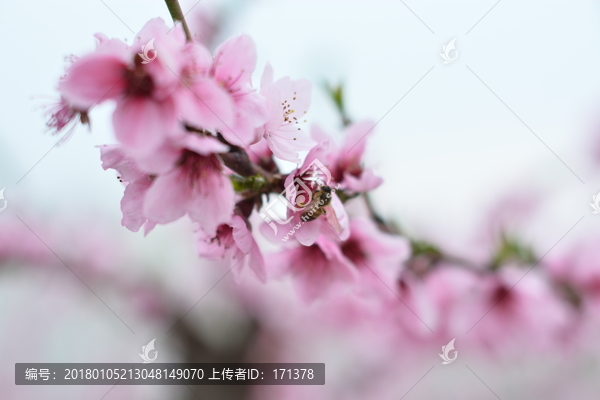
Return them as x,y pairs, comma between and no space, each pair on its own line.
96,77
213,201
234,62
168,198
206,105
142,125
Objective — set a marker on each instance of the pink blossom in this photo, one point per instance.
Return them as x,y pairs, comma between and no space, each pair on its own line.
315,269
234,243
300,188
195,185
144,92
198,187
377,256
288,102
442,300
499,312
345,160
152,96
508,312
232,69
413,314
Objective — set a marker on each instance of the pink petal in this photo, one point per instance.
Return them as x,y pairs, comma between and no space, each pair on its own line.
367,181
201,59
287,103
96,77
279,234
204,145
235,61
168,198
150,225
257,264
287,141
212,202
211,247
137,184
242,236
319,134
250,113
246,243
206,105
142,125
267,77
317,271
161,160
384,253
132,205
309,232
113,157
101,37
356,137
167,67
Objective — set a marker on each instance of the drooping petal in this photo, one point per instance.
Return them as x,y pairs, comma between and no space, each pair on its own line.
132,205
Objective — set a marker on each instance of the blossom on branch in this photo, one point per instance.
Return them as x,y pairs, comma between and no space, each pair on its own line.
288,102
234,243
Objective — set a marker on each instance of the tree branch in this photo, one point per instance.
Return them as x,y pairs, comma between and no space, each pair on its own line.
177,15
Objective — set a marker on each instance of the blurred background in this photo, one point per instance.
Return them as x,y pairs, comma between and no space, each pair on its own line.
508,134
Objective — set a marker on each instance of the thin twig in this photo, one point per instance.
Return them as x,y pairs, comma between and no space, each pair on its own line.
177,15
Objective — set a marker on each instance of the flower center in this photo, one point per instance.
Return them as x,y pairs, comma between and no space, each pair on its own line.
196,166
139,83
